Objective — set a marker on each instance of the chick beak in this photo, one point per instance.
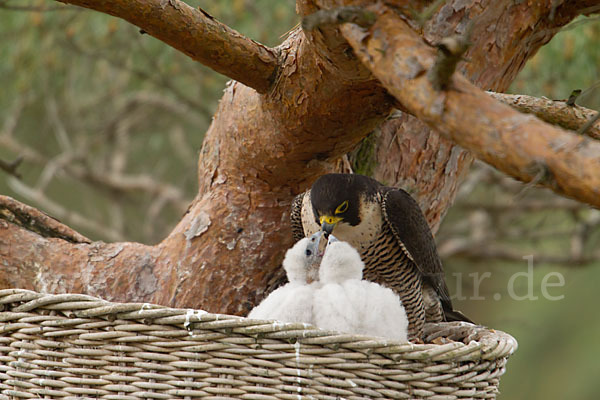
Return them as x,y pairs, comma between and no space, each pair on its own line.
314,252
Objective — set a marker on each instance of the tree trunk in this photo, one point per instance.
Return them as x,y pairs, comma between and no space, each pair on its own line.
268,141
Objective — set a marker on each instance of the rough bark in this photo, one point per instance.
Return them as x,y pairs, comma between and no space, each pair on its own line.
260,150
555,112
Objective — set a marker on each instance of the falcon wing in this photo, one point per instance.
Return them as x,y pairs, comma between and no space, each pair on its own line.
296,217
404,216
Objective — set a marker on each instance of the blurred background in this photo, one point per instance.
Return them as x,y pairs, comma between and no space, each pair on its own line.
106,124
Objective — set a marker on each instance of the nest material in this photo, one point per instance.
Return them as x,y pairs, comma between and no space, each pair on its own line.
78,346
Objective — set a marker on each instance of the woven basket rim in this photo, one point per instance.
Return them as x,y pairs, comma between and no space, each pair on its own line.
476,344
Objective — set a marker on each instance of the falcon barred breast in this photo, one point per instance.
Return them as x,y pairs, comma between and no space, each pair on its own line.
388,229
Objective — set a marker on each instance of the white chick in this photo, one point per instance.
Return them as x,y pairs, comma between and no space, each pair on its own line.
346,303
293,301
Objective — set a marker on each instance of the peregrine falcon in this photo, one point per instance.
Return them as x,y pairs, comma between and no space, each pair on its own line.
388,229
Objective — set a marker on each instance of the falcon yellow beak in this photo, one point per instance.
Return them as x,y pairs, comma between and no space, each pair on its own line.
328,223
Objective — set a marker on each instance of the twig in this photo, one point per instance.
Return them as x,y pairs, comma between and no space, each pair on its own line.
494,224
573,97
450,52
589,124
590,10
110,182
533,205
11,167
485,252
153,77
356,15
13,115
36,221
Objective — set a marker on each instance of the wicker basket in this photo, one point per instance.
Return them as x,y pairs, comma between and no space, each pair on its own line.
77,346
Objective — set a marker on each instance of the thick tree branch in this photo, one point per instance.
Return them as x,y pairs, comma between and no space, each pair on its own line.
197,34
556,112
517,144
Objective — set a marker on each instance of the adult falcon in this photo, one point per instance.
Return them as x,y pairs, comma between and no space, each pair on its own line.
388,229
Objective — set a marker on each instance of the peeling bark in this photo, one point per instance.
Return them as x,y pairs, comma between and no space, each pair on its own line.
262,149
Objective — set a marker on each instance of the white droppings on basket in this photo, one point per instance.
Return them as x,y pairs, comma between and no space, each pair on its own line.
145,306
351,382
186,324
20,355
276,325
297,348
305,326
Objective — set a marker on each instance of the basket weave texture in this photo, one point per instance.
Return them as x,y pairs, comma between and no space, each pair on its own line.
78,346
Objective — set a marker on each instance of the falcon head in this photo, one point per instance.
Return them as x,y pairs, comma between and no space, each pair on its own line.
337,199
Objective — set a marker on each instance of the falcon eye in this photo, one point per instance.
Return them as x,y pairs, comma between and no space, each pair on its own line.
308,252
342,207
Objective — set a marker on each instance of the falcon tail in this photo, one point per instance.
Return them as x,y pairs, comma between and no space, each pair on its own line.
454,315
